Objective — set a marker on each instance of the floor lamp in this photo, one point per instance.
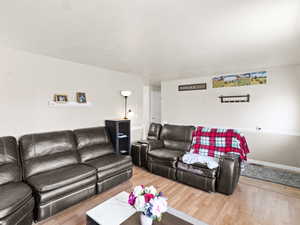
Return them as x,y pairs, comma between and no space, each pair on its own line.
125,94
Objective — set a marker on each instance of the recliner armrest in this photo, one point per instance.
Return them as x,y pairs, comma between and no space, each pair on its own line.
229,173
151,145
143,142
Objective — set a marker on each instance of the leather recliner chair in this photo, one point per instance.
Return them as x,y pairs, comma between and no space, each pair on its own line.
96,150
51,166
16,200
139,157
163,155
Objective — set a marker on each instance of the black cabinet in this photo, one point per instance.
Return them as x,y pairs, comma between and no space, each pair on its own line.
119,131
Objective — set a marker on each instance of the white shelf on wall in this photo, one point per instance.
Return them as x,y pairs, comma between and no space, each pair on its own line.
69,104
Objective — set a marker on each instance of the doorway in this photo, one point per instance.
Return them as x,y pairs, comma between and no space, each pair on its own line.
155,104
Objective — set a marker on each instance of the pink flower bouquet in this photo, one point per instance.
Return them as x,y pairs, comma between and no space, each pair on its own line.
148,201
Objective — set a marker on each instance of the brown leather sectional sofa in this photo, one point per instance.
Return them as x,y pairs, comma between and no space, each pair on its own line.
16,200
51,171
58,169
164,157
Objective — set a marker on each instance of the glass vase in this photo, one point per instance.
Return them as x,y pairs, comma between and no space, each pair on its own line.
145,220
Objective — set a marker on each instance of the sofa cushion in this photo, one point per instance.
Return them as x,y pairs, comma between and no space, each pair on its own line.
177,137
48,163
95,151
91,136
154,131
197,169
167,163
9,173
93,143
164,157
22,216
60,177
13,196
47,151
9,163
44,197
110,165
165,154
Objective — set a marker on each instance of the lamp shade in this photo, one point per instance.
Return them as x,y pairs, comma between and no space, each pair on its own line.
125,93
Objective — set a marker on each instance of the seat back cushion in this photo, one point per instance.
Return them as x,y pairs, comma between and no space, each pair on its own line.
177,137
9,161
93,143
47,151
154,131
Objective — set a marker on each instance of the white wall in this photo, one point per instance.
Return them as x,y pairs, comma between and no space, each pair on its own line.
275,107
28,81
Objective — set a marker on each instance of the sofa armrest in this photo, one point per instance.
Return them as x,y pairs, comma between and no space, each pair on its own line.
143,142
151,145
229,173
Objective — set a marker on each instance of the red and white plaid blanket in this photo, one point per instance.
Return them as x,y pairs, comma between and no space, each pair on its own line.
216,142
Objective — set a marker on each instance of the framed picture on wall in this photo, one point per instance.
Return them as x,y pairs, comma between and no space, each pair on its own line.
81,97
60,98
236,80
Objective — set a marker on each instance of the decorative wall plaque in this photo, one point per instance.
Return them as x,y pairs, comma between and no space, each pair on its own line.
192,87
234,98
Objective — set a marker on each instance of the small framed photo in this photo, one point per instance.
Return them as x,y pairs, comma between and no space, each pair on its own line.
60,98
81,97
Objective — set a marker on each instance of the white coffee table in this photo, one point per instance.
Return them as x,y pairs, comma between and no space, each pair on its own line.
116,210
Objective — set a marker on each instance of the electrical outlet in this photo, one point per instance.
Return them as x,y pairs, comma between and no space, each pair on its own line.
258,128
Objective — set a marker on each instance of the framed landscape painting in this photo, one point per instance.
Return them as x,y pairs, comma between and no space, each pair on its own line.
244,79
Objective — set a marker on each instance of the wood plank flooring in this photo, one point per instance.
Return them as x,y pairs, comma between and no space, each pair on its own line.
254,202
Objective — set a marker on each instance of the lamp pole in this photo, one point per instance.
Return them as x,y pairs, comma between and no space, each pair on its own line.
125,94
125,118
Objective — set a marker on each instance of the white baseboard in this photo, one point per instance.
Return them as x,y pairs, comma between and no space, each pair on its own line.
275,165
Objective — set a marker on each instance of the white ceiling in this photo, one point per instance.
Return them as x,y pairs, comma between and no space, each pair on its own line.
158,39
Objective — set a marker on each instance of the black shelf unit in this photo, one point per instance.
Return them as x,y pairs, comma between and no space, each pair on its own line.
119,131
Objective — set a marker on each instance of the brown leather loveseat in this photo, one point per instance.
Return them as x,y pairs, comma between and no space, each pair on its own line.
164,157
